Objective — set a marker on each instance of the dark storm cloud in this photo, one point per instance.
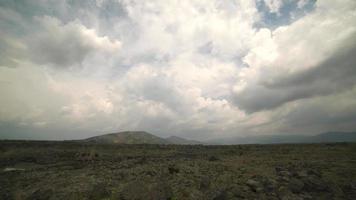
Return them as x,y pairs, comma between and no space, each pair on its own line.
64,45
336,112
334,75
61,48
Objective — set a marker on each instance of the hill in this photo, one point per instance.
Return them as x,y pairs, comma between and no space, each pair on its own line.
127,137
142,137
335,137
276,139
179,140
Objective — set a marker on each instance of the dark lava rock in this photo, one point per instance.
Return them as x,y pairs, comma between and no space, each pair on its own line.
314,172
302,174
296,185
284,173
141,190
239,192
278,169
221,196
99,191
291,197
213,158
285,194
270,185
41,194
350,190
173,170
306,196
314,183
261,184
205,183
254,185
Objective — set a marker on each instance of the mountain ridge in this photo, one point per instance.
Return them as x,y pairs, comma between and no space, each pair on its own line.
127,137
325,137
142,137
179,140
138,137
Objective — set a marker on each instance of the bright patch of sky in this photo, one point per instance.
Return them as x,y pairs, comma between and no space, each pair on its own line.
283,13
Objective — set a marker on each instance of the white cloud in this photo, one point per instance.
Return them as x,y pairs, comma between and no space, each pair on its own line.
310,48
193,68
274,5
169,29
302,3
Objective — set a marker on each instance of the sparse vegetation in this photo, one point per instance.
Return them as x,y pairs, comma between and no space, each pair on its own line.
72,170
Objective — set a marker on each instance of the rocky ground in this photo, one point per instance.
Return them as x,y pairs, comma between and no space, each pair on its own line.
68,170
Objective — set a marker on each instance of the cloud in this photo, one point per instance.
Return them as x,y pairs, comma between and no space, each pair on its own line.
291,64
194,68
320,114
334,75
274,5
163,30
302,3
64,45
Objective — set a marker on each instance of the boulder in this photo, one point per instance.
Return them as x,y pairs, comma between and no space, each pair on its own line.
285,194
254,185
314,183
296,185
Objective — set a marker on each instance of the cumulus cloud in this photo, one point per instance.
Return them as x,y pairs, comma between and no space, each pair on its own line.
302,3
66,44
291,64
197,69
333,75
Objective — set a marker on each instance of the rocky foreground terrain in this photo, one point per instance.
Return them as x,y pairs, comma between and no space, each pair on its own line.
72,170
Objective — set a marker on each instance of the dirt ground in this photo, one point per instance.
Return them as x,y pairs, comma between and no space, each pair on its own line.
72,170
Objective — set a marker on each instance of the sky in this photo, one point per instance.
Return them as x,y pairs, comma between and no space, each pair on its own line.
200,69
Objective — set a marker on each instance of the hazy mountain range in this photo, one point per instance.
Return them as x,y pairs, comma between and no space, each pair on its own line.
274,139
142,137
138,137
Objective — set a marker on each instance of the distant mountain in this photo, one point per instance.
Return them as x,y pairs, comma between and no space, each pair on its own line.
179,140
274,139
137,137
141,137
262,139
127,137
335,137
